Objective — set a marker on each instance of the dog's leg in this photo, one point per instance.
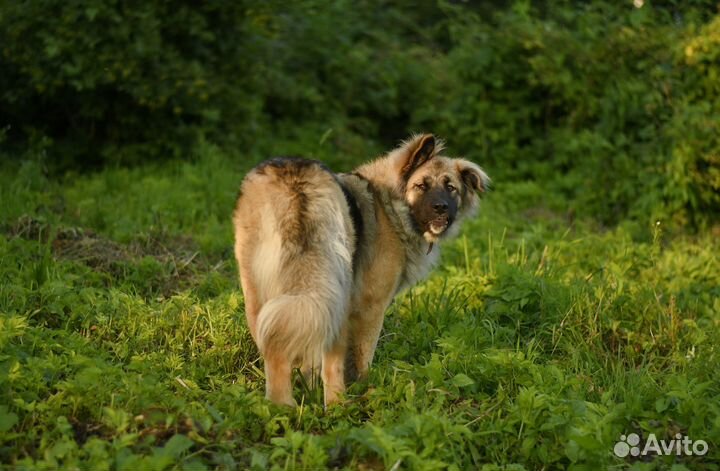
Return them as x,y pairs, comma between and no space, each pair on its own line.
333,369
366,327
278,372
252,306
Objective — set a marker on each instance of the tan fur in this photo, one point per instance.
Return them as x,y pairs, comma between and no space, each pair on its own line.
315,290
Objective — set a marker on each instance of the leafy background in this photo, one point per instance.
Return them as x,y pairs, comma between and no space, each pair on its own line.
581,305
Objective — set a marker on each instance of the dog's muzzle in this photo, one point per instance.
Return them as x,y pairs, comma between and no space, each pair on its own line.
440,224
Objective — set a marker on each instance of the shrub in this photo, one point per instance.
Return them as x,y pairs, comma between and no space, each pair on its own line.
597,101
110,82
105,79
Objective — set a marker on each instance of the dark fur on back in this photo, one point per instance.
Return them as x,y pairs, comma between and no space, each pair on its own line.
296,174
289,165
356,217
292,171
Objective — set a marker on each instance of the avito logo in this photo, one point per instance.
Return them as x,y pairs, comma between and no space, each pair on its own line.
680,445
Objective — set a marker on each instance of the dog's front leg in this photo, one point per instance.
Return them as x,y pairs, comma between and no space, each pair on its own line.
366,327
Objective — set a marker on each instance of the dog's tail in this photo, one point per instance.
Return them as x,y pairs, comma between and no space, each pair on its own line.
299,325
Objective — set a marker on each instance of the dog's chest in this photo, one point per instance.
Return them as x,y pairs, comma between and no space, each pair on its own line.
418,264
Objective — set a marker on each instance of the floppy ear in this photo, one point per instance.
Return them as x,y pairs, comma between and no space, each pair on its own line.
473,176
420,150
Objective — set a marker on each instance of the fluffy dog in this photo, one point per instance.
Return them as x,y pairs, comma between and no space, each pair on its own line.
321,255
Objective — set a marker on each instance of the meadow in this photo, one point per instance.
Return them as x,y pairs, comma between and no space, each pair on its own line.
538,342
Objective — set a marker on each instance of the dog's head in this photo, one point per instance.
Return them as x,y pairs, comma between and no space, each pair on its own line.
439,190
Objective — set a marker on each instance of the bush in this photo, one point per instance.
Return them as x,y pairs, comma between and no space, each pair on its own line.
597,101
108,82
112,83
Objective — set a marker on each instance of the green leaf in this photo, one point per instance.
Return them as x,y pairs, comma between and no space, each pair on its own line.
572,450
461,380
177,445
7,419
661,404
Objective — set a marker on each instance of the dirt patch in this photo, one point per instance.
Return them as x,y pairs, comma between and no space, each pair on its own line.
72,243
178,254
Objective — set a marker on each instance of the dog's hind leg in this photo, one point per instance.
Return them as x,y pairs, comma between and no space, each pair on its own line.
333,369
278,373
252,306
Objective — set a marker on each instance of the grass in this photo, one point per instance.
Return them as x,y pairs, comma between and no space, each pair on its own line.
538,342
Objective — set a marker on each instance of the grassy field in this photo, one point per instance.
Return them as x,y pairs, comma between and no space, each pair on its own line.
540,340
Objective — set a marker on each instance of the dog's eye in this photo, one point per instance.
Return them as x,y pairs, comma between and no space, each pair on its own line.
450,188
421,186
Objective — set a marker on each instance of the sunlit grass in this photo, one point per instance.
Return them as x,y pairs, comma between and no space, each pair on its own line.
538,342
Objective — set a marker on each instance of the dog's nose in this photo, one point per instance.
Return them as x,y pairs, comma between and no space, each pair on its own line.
440,207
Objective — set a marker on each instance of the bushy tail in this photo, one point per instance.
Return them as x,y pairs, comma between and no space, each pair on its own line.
302,326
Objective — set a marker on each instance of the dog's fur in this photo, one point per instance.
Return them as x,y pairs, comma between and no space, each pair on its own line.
321,255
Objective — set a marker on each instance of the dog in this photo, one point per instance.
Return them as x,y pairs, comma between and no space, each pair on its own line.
321,255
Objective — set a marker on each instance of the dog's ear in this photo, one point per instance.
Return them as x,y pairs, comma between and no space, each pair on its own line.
472,175
419,150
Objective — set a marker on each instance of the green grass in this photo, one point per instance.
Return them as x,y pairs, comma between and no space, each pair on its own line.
536,344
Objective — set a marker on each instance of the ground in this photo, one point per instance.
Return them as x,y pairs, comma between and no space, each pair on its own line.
541,339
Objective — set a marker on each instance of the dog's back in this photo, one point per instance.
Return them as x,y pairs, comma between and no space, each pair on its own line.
292,229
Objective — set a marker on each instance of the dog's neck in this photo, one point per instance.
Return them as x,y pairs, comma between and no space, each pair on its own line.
420,256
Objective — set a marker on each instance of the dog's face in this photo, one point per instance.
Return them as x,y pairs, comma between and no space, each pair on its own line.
439,190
